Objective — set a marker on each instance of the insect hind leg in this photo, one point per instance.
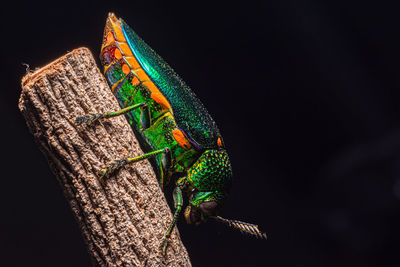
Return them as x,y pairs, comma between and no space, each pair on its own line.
117,164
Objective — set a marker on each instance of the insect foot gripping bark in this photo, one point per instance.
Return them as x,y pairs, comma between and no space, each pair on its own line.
178,132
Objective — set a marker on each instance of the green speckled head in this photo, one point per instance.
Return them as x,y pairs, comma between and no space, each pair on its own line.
211,175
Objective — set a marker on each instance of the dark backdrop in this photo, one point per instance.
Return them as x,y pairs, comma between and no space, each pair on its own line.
306,96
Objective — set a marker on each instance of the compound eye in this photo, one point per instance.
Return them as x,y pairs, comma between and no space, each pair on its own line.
209,208
195,216
192,215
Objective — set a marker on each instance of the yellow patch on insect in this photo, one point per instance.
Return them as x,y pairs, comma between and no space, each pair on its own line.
181,138
114,86
106,68
126,69
117,54
109,39
135,81
142,75
219,142
157,96
116,27
125,49
132,62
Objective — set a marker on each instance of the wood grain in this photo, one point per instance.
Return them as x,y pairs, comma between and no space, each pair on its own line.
124,219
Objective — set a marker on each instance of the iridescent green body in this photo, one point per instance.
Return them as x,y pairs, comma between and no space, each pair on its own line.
175,128
178,120
189,113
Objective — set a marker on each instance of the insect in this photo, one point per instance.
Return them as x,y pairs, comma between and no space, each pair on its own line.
178,132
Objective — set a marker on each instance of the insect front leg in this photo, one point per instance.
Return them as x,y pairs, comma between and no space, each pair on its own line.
90,118
116,164
178,203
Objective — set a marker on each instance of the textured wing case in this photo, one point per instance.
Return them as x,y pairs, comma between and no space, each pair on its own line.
189,113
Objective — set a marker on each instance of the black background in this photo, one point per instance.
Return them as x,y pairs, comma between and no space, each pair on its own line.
305,94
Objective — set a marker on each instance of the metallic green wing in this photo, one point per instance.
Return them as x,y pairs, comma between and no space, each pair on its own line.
189,113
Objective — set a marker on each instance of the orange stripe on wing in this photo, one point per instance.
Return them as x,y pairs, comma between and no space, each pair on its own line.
115,35
125,49
157,96
116,26
142,75
132,62
181,138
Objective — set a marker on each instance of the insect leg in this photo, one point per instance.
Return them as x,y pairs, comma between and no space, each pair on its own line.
178,203
165,168
116,164
90,118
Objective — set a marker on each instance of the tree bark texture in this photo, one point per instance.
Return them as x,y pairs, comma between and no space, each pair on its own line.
123,220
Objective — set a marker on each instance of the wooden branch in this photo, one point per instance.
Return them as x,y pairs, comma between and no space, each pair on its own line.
123,220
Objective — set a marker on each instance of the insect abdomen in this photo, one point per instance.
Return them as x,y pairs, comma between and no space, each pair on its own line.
131,85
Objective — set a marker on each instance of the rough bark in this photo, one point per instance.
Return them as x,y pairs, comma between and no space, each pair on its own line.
124,219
